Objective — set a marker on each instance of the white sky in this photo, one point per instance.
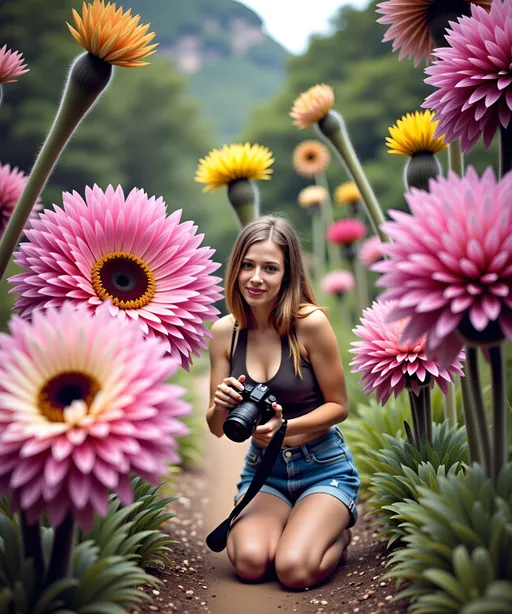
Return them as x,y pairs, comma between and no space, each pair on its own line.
292,21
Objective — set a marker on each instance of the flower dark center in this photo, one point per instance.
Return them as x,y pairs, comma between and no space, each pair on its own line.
439,13
124,279
62,389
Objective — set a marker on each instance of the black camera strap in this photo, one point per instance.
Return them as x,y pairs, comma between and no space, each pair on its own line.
217,539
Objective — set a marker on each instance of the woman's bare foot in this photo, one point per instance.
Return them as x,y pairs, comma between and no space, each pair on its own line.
346,539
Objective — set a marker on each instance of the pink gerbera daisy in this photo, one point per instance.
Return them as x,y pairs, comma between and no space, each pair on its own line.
473,77
83,402
346,232
388,364
450,263
12,184
338,282
12,65
370,250
416,26
127,251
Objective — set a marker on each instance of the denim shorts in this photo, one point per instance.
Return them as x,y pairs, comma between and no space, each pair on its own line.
323,465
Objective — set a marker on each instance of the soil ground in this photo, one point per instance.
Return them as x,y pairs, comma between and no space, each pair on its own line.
203,581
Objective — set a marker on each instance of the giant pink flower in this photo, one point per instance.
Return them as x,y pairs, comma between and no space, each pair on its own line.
411,21
450,263
83,402
12,184
388,364
346,232
337,282
473,77
370,250
12,65
126,250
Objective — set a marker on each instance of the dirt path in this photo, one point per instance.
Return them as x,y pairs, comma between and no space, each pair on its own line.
203,581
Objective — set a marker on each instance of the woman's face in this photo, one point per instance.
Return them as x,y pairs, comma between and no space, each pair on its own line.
261,273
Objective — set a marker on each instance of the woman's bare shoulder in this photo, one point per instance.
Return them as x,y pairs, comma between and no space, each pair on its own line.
223,327
311,316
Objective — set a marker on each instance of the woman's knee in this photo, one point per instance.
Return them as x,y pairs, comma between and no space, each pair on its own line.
251,559
296,570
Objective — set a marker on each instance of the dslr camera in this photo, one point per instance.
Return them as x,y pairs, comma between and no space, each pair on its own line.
254,409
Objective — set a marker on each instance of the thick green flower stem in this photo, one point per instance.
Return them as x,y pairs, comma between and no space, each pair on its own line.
477,406
318,232
421,411
427,409
359,274
414,419
244,197
474,447
1,93
62,550
32,544
88,77
328,218
343,312
332,128
456,158
505,149
499,411
450,405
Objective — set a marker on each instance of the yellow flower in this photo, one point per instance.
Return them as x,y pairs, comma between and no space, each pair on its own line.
311,158
312,106
414,134
347,193
111,35
312,196
223,166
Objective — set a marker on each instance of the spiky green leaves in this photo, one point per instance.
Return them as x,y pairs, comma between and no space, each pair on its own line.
458,545
96,584
135,531
402,469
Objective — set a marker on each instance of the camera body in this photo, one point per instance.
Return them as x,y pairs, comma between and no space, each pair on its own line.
254,409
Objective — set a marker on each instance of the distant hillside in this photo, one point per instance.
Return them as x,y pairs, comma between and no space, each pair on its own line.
220,45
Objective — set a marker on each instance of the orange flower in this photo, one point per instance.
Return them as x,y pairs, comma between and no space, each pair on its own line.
111,35
311,158
312,106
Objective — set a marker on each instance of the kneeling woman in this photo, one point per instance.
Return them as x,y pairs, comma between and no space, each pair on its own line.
300,519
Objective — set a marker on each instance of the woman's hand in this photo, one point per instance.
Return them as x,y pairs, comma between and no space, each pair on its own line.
227,395
263,434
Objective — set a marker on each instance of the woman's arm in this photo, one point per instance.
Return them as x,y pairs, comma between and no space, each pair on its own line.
316,334
222,394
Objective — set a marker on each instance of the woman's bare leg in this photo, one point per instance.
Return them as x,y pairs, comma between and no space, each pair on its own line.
313,541
252,542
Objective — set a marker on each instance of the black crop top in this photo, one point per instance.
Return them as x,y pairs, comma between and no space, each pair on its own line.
297,396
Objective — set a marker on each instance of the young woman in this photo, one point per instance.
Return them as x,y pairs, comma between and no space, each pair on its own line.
300,519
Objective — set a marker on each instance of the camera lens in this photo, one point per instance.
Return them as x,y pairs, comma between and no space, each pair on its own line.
241,421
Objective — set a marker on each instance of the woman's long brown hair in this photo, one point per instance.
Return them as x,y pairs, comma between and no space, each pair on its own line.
295,292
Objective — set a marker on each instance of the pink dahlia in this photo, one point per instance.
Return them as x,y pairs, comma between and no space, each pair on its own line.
473,77
12,65
450,263
127,251
370,250
388,364
338,282
83,402
415,25
12,184
346,232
